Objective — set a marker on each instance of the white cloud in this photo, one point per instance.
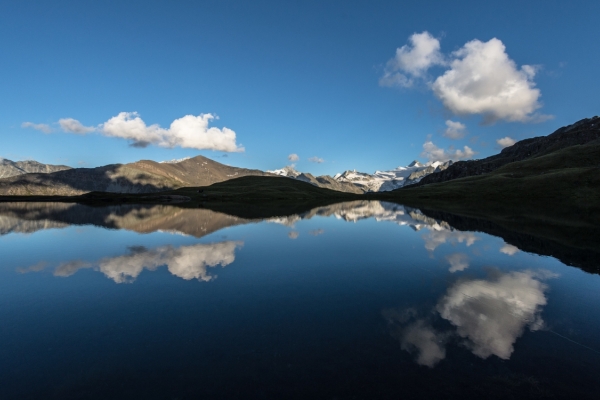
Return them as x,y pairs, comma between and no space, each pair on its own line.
491,314
189,131
293,157
71,125
412,61
423,339
435,238
458,262
293,235
434,153
482,79
509,249
39,127
506,142
455,130
186,262
317,160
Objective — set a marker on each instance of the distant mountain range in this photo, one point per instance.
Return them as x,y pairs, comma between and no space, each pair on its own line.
10,168
24,178
361,182
33,178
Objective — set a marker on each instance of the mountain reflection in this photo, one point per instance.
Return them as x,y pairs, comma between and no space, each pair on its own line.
186,262
573,244
487,316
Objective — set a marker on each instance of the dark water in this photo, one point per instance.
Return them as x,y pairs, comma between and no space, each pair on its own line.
361,300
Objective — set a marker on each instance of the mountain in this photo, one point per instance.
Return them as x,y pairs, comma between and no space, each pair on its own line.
579,133
139,177
10,168
352,181
383,181
323,181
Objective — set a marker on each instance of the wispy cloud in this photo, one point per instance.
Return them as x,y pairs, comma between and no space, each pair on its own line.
71,125
293,157
455,130
39,127
317,160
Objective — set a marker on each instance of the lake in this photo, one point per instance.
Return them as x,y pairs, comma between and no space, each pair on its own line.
355,300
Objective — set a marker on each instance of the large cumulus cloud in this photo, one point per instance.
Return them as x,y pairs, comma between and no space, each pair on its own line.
479,78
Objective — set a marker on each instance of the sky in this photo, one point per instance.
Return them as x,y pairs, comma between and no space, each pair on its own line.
325,85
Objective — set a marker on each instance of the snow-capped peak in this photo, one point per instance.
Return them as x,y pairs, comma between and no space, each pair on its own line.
286,171
382,181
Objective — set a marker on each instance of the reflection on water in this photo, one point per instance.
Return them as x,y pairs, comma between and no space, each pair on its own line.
186,262
488,316
465,314
491,314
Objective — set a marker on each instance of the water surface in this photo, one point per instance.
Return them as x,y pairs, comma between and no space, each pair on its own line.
354,300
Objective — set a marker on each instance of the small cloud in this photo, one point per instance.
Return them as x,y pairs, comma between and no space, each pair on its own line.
506,142
434,153
33,268
458,262
82,163
317,160
293,235
509,249
316,232
71,125
455,130
38,127
293,157
412,61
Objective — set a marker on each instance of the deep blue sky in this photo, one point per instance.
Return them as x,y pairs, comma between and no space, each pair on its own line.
287,76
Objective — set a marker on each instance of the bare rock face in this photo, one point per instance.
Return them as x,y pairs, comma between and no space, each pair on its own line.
10,168
579,133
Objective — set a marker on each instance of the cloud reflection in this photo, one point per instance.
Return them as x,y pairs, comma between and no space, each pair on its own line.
487,315
458,262
509,249
186,262
435,238
491,314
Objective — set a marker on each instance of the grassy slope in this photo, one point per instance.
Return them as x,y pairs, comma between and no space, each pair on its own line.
568,178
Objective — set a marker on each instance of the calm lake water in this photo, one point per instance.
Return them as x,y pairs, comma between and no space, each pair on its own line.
361,300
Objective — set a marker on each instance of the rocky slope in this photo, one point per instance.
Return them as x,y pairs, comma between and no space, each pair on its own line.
140,177
579,133
10,168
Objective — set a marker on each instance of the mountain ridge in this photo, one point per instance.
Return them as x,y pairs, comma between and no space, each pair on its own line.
581,132
9,168
144,176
